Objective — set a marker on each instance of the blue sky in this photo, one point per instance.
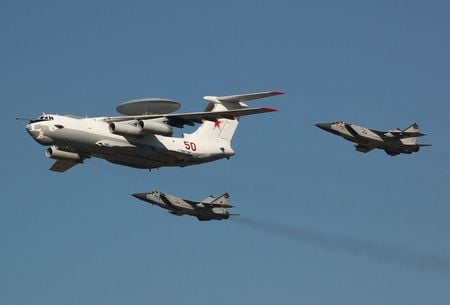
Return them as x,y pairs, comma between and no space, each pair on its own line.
320,223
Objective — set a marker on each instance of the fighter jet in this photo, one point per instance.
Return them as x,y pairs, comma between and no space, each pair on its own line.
393,142
209,208
142,136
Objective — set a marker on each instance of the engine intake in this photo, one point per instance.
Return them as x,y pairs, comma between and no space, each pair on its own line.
55,153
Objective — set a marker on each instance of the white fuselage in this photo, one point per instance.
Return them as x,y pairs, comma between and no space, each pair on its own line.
91,137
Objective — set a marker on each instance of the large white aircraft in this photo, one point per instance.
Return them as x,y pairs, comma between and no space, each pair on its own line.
142,136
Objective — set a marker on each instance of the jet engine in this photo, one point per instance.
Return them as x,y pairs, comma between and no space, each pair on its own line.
153,126
127,128
55,153
141,127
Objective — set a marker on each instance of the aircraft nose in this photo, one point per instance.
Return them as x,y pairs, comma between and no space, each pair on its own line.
324,126
34,133
142,196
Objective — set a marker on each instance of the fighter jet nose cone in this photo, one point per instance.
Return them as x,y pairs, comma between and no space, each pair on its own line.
324,126
141,196
28,127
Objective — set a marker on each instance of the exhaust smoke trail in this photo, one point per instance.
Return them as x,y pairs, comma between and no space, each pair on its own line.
370,249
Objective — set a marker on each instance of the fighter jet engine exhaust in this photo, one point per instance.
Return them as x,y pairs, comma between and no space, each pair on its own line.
369,249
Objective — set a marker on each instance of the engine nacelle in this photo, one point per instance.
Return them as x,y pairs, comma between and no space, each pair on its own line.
155,126
54,153
127,128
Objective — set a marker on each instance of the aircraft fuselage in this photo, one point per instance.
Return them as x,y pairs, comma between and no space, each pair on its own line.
178,206
91,137
367,139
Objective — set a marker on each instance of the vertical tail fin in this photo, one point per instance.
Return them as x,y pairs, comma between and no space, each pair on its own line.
220,129
410,134
224,128
411,129
222,200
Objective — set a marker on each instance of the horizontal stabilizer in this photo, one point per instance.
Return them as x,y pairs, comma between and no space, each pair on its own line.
239,98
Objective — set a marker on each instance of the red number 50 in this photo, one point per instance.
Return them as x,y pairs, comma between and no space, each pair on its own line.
190,146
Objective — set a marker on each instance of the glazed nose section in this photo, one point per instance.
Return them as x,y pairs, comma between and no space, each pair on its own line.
324,126
31,131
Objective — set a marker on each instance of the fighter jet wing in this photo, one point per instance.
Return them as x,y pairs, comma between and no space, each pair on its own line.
402,134
63,165
180,119
218,205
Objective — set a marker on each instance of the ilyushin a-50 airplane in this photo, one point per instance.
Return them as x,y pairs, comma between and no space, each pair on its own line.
210,208
142,136
393,142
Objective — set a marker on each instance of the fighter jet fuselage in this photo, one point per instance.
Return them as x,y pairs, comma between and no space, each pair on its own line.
393,142
209,209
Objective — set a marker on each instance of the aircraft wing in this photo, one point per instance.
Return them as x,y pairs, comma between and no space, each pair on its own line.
180,119
218,205
402,134
208,204
63,165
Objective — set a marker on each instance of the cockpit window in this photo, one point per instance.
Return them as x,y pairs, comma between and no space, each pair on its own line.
43,118
46,117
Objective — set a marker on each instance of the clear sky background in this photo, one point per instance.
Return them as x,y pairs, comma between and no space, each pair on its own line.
320,223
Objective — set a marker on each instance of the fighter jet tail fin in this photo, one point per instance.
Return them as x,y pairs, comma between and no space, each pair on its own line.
220,202
412,131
